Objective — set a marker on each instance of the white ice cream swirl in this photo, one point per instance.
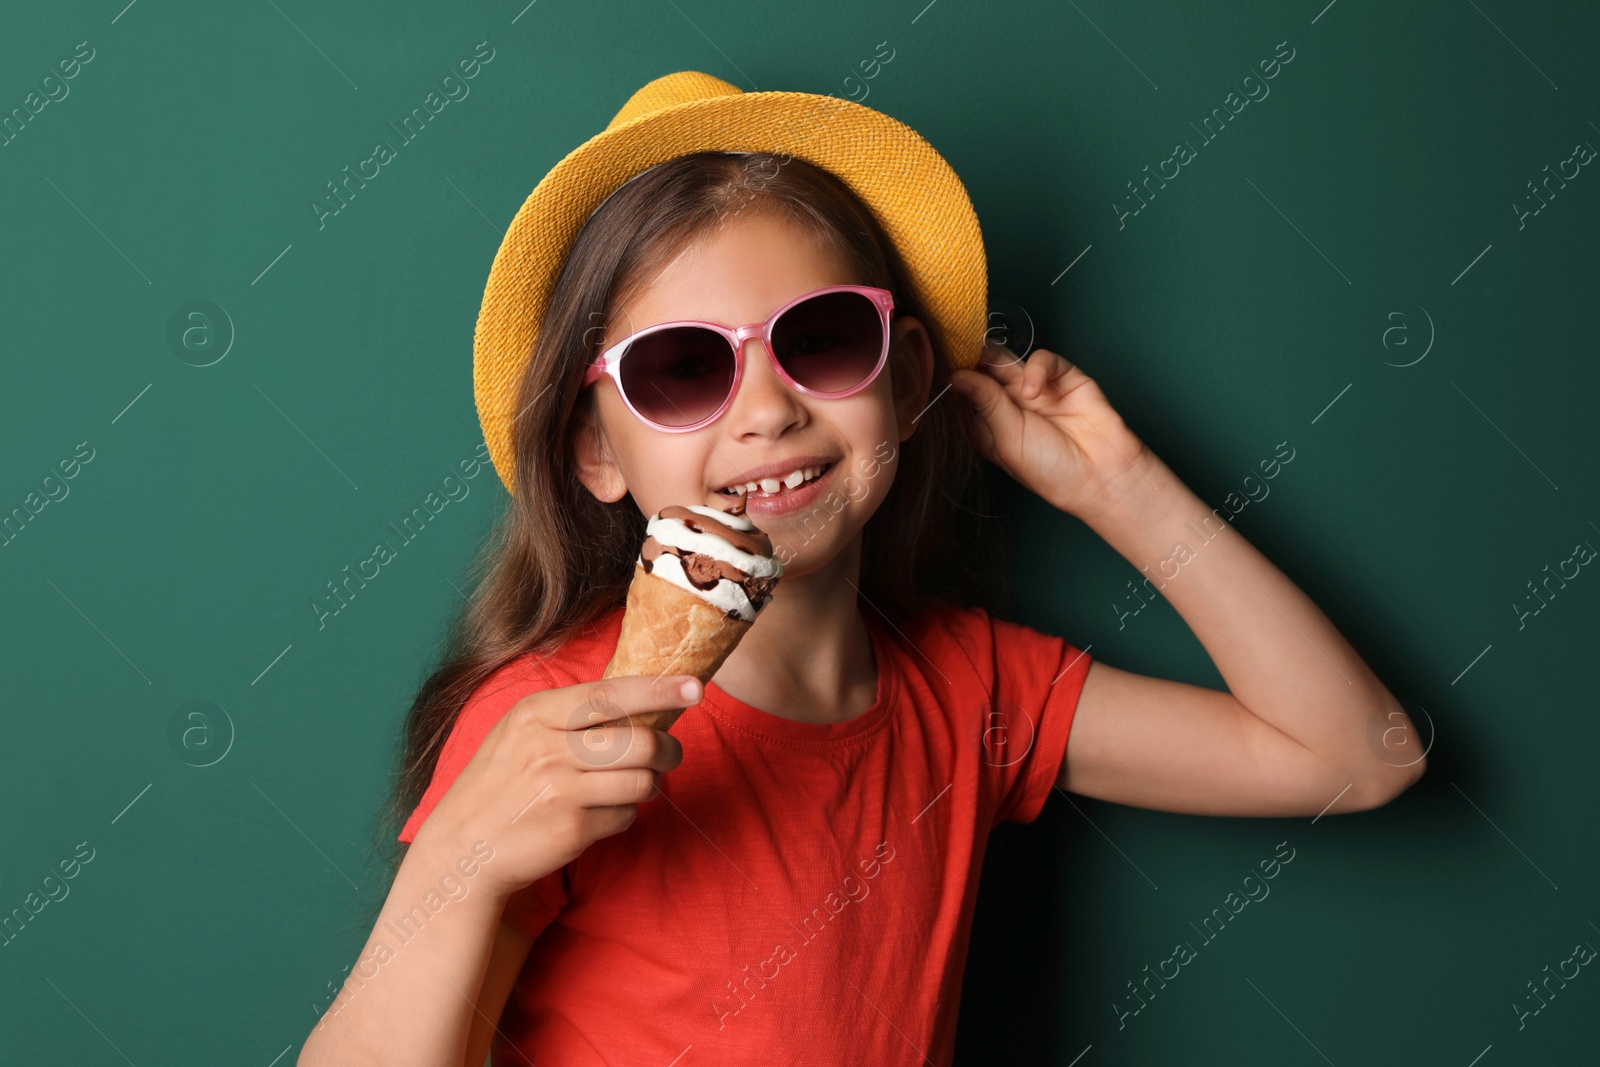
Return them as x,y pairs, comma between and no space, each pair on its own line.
727,594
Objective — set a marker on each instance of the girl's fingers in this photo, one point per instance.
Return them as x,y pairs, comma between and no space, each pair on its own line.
998,414
616,698
623,744
972,385
1024,379
615,788
1002,363
604,822
1043,368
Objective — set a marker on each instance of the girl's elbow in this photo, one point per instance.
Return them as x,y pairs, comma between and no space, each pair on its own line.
1394,757
1386,782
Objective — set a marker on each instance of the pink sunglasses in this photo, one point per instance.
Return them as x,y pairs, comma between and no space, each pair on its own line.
681,375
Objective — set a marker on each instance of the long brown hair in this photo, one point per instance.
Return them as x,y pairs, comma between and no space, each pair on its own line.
559,558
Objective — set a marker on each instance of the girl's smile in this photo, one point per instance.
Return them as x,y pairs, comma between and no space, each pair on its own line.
780,495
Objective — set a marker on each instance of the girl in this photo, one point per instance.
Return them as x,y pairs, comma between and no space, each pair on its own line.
790,873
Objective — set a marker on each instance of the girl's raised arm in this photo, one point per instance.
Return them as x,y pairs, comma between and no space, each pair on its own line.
1305,727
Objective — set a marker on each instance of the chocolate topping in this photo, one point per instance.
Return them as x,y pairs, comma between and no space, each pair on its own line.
703,571
752,542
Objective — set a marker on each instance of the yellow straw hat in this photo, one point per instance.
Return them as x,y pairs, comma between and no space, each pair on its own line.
910,189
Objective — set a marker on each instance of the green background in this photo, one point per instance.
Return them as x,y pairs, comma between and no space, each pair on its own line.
1247,304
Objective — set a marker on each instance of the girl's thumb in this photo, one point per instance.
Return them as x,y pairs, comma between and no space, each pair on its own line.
995,412
985,394
967,384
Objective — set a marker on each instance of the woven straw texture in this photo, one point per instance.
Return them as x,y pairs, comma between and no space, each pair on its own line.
913,192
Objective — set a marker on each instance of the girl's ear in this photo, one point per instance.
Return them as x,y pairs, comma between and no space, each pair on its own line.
597,468
911,355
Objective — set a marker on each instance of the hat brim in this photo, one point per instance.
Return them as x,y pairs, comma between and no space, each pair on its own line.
911,190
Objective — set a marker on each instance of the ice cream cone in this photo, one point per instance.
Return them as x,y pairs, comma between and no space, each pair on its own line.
668,630
701,579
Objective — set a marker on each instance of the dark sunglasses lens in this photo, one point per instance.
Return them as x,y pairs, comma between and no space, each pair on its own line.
678,376
831,342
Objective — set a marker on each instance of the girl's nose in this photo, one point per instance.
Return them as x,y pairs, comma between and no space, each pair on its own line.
764,404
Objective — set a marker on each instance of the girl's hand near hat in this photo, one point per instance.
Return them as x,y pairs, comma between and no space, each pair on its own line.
1047,424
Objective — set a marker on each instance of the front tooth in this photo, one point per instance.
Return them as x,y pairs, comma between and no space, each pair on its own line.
794,478
770,485
751,487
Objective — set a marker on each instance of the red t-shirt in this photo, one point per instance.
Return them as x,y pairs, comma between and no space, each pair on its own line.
798,891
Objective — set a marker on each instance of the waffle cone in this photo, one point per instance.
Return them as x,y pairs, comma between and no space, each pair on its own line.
668,630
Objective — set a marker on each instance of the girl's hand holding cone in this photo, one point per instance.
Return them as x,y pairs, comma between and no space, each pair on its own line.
562,769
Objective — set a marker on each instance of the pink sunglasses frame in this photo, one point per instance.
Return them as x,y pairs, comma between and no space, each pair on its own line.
609,362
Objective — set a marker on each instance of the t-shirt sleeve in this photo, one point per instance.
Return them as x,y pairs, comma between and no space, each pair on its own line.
533,907
1034,681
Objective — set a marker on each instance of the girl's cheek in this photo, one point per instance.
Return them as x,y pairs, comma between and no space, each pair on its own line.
884,453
